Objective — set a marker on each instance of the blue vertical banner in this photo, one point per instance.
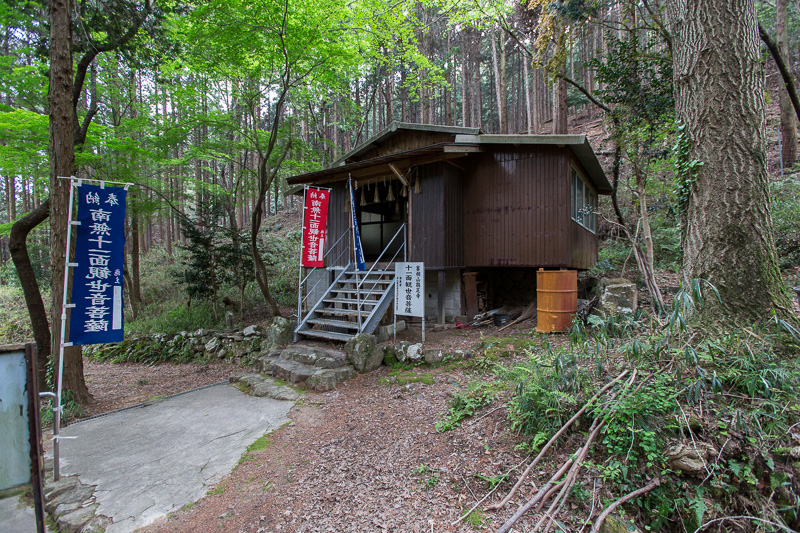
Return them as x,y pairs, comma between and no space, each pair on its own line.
100,255
360,263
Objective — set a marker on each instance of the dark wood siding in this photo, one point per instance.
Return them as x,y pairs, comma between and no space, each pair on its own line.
403,141
516,208
437,218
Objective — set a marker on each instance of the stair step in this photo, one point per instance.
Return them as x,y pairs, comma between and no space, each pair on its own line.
349,301
333,323
330,335
342,312
362,290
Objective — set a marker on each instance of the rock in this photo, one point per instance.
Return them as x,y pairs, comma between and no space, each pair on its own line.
269,389
57,488
291,371
613,524
389,355
690,459
433,356
67,507
264,360
79,494
237,350
279,332
74,521
618,295
459,355
414,353
362,351
249,331
213,345
98,524
401,350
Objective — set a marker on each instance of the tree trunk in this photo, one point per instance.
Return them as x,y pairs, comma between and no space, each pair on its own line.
560,102
726,235
788,120
30,287
62,163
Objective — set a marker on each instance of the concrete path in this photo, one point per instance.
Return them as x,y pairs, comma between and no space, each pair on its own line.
152,460
16,515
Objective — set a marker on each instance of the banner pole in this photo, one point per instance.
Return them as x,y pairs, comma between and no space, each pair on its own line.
62,343
300,270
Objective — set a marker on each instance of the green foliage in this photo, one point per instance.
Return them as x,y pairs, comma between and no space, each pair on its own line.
403,375
637,78
547,392
686,169
634,434
464,404
15,325
170,317
428,477
785,196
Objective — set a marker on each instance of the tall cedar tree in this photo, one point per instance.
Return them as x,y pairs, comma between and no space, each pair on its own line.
727,235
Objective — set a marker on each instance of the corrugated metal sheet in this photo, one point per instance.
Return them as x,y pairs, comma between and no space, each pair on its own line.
437,218
516,208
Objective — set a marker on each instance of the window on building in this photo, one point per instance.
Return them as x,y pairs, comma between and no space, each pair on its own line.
584,202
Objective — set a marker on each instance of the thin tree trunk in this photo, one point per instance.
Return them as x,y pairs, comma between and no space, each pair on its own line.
788,120
30,287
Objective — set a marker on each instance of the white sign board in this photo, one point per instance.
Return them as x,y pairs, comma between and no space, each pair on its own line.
409,289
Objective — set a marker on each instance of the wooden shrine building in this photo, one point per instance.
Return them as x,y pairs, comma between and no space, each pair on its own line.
496,205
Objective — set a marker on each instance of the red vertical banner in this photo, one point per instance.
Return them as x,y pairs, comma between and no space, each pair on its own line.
315,221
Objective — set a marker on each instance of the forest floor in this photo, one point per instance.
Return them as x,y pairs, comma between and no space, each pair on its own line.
365,457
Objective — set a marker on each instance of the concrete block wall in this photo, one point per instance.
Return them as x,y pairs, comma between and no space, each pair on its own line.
452,295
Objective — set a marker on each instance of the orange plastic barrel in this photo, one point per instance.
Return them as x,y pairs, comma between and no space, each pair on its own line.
556,299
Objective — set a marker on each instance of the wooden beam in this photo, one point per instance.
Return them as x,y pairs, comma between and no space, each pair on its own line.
455,149
440,296
399,174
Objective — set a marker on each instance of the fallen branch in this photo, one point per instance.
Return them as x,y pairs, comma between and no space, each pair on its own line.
647,488
552,441
539,495
569,481
455,522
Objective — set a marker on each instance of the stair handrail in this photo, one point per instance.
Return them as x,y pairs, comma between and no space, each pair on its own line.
300,299
360,282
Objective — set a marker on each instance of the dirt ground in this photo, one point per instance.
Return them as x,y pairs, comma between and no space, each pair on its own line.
365,457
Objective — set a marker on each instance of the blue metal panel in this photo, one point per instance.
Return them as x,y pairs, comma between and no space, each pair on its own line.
15,458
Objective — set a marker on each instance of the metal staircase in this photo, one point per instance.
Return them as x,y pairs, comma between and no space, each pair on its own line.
354,303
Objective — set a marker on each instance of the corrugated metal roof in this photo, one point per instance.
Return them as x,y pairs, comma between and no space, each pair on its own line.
392,128
578,144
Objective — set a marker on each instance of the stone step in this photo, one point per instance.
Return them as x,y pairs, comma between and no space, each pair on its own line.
261,387
314,356
315,378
